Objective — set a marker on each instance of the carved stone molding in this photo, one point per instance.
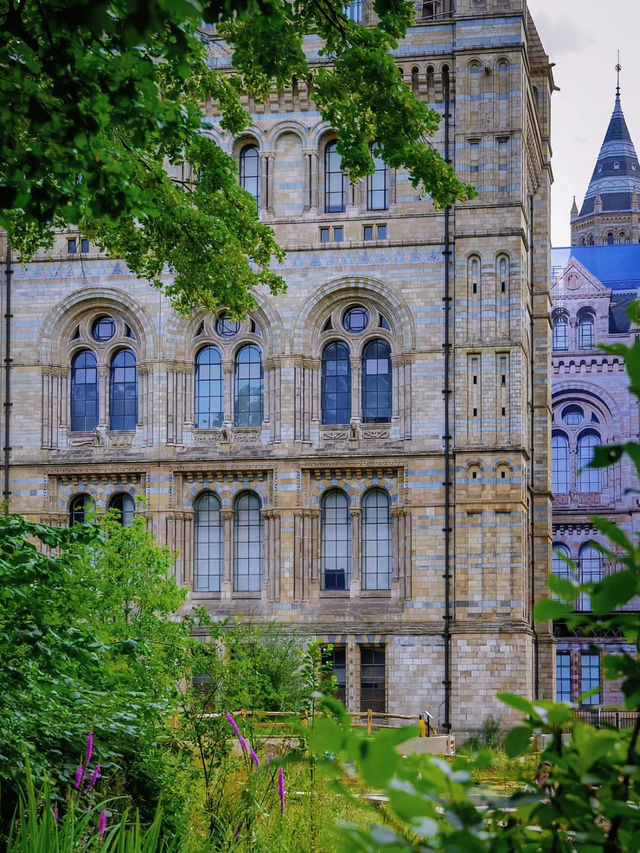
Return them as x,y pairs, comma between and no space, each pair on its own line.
209,436
85,439
375,433
245,437
121,439
334,434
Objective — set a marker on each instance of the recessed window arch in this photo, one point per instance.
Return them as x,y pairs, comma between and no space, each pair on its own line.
335,191
559,564
125,505
376,540
560,331
209,388
590,571
573,415
80,508
250,171
503,274
378,183
586,330
610,238
247,544
123,391
208,544
589,479
336,383
248,406
559,463
336,540
84,392
376,382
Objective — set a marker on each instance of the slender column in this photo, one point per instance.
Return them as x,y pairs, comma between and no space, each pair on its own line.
227,369
356,396
268,402
307,181
47,408
315,200
271,161
227,578
356,575
313,538
103,395
264,182
299,402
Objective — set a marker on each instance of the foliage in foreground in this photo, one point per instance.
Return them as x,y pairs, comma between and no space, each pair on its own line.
96,96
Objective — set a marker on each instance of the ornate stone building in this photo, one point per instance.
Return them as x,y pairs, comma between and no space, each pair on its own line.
366,458
594,283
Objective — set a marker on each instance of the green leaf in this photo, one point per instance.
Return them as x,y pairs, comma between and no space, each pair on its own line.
550,609
614,590
517,702
517,741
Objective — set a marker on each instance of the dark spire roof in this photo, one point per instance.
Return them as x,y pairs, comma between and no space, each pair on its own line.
617,172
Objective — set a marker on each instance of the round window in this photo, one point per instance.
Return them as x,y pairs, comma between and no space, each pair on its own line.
226,327
573,415
104,328
356,319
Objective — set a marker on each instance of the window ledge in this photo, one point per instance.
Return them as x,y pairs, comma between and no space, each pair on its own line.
335,593
202,595
247,594
375,593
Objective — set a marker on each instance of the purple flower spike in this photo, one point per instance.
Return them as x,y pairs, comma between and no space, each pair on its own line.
94,778
55,813
281,789
243,743
233,724
89,747
103,824
255,758
79,776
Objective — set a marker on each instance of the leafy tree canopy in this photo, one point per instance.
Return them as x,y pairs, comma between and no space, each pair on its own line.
98,96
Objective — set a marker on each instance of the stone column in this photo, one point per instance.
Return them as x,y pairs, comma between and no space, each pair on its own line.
103,396
226,588
227,372
356,575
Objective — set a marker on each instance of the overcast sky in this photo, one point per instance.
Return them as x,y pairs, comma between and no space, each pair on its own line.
582,37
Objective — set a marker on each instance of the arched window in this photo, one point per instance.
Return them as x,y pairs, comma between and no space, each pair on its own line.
209,391
376,540
123,396
559,464
610,239
247,545
250,171
249,387
336,384
125,505
378,183
208,544
590,568
589,479
376,382
80,508
586,330
336,541
559,565
84,392
334,182
560,331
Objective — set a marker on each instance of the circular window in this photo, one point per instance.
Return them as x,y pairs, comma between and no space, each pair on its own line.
227,328
356,319
573,415
104,328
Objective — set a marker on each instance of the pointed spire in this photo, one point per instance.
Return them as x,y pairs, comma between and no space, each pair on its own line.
574,209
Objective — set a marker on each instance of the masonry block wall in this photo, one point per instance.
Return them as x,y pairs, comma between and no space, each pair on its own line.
386,258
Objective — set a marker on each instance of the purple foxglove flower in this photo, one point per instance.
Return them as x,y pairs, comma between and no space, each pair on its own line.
89,747
103,823
281,788
234,726
94,778
255,758
79,776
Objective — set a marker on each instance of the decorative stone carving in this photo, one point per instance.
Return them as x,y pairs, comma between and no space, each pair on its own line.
209,436
334,434
246,437
121,439
85,439
378,433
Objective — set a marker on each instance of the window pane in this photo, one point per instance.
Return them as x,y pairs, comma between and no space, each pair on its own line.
590,678
560,332
563,677
378,185
589,479
376,383
209,391
559,464
84,392
590,567
248,388
125,505
334,182
123,395
250,172
336,541
247,558
80,508
376,541
336,384
372,679
208,544
586,333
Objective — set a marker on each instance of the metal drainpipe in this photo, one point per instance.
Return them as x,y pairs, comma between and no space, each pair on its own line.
536,674
7,384
447,427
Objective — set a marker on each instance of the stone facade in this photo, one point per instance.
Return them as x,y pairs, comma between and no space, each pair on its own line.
469,551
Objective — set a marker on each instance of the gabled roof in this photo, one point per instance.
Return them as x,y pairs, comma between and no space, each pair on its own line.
617,267
617,172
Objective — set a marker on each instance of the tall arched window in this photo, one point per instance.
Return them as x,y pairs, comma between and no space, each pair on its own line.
208,544
84,392
209,391
248,387
559,565
376,540
247,545
586,330
123,395
560,331
610,239
80,508
250,171
589,479
559,464
125,505
336,384
378,184
334,182
376,382
336,541
590,568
